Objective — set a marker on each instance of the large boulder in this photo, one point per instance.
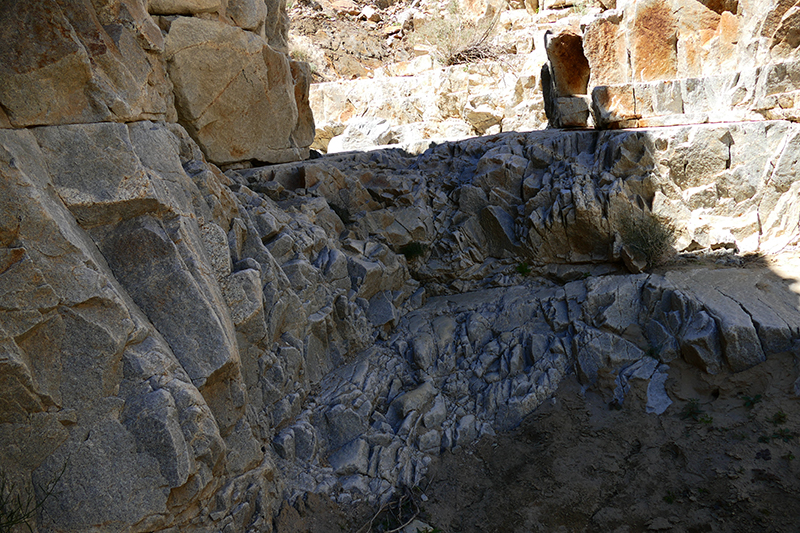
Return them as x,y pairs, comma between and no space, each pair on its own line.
234,93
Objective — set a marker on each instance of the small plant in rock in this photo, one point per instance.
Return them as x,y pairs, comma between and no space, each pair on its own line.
691,410
650,236
413,250
581,7
523,268
778,418
785,435
18,507
705,419
303,51
751,401
670,497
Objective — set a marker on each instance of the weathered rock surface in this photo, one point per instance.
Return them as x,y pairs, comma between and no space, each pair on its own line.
191,346
450,103
236,338
646,64
252,86
687,39
80,62
63,63
689,63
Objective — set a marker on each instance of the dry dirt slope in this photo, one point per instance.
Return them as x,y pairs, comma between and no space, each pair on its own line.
579,464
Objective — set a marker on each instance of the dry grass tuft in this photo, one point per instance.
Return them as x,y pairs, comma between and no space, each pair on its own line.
457,40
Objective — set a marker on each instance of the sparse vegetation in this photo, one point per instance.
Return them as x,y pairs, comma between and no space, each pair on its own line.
785,435
523,268
17,506
751,401
650,235
691,410
302,51
670,497
457,40
581,7
398,513
705,419
778,418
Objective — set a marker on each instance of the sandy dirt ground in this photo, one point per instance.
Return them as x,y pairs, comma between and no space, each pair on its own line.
725,457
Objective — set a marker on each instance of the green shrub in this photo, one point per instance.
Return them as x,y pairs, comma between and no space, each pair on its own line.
692,410
523,268
751,401
778,418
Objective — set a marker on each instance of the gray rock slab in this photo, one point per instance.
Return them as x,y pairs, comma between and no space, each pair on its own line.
352,458
740,343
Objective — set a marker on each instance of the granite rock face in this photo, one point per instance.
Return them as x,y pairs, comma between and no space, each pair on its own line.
645,64
63,63
236,91
252,87
488,346
684,62
687,39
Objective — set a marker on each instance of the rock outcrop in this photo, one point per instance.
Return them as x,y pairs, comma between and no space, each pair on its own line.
223,74
633,64
230,339
181,348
